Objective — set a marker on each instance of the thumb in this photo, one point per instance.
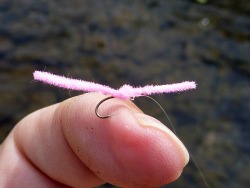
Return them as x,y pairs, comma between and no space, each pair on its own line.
67,144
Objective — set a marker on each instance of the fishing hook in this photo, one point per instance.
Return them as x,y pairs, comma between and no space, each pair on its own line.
98,105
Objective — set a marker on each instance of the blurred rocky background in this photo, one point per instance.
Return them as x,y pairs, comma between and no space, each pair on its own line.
140,42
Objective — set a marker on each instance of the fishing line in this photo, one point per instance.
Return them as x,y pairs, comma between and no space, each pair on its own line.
201,174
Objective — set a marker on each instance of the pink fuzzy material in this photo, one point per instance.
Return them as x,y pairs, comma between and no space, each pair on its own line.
124,92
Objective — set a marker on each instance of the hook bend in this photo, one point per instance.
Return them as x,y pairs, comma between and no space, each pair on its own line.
99,104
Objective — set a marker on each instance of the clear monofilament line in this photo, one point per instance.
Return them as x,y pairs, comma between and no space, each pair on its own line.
203,178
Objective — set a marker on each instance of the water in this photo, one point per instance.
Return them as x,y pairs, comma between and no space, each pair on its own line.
138,43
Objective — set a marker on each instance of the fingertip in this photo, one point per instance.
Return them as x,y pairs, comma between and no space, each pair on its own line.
149,156
148,121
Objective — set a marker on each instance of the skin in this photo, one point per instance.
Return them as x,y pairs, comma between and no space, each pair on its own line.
67,145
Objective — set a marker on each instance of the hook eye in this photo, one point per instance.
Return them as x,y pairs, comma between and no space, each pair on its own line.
99,104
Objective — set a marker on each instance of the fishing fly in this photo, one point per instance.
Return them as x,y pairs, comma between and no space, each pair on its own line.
124,92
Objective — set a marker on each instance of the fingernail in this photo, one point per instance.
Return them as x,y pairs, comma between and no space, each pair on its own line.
149,121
